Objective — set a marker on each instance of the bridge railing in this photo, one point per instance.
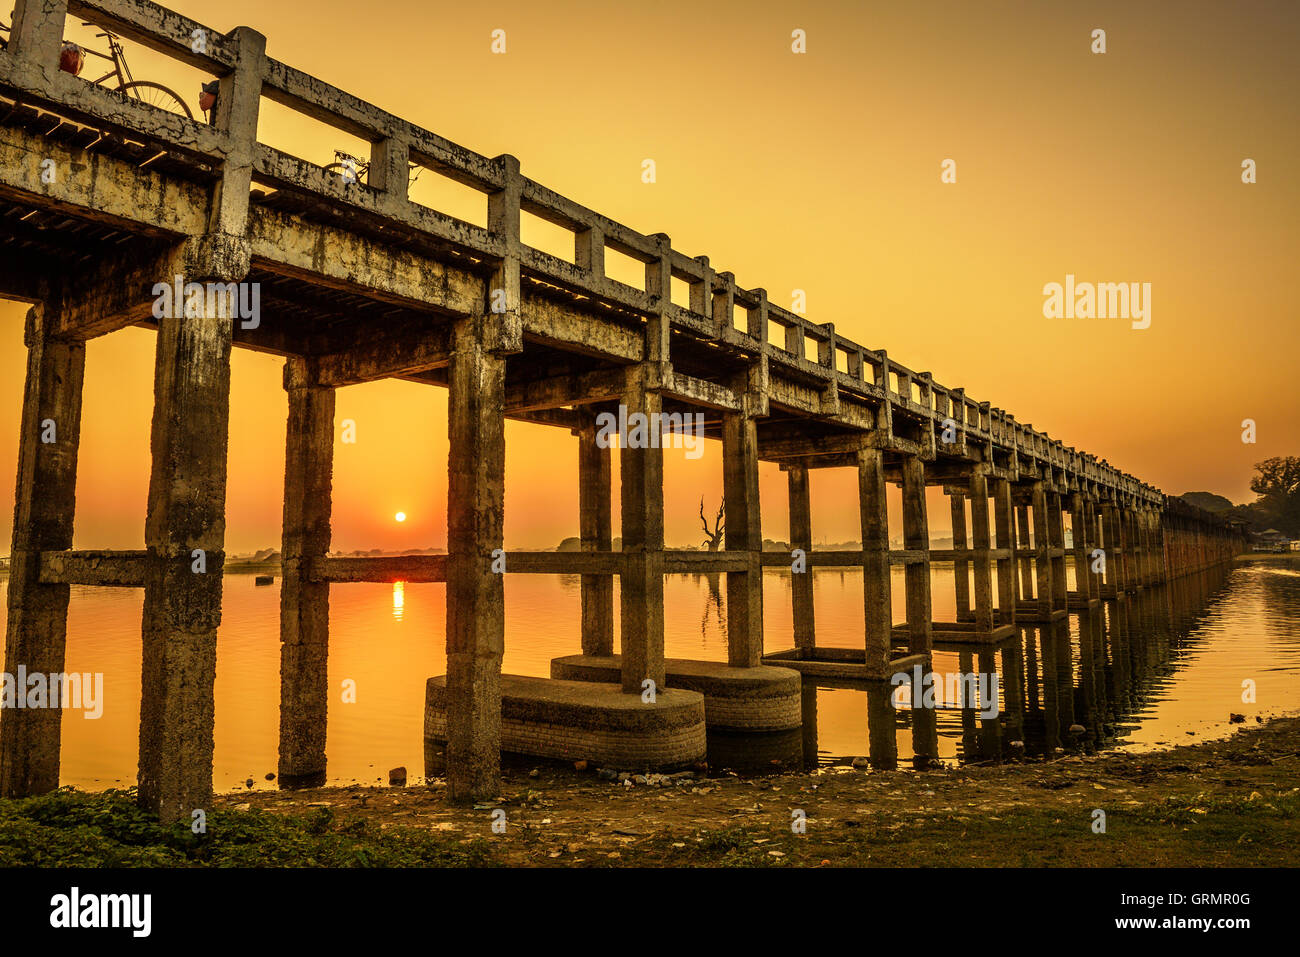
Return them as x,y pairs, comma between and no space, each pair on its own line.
718,307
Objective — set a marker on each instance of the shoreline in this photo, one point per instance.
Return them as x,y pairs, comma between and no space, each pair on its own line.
1231,802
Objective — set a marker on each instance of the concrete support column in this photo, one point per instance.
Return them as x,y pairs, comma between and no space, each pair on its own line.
1056,542
1116,578
1042,558
1162,552
1026,565
744,533
801,584
1128,548
916,537
37,33
185,541
476,463
1143,556
1006,542
876,597
595,521
982,562
1083,582
304,600
960,565
44,504
1155,548
641,591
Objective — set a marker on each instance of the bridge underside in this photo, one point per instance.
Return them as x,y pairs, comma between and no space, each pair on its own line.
105,207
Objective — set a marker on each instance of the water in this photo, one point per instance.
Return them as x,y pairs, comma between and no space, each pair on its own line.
1162,668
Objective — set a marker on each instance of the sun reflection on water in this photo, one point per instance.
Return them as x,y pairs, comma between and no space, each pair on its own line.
399,599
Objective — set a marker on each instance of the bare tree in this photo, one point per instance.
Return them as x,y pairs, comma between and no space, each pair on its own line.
714,541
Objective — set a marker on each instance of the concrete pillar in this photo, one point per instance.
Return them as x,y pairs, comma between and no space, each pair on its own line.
1116,579
475,594
1162,551
1042,558
801,585
744,534
979,510
45,500
641,591
37,33
185,541
1026,565
875,561
1142,518
1056,542
595,521
882,729
1132,547
1156,542
1006,542
960,565
1079,532
1128,548
916,537
304,602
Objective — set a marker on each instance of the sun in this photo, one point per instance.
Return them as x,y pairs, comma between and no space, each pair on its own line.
399,517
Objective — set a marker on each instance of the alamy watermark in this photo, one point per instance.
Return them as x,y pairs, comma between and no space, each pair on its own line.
639,430
83,691
959,690
1102,300
74,910
218,300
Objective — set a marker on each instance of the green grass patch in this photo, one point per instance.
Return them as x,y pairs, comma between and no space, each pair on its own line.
70,828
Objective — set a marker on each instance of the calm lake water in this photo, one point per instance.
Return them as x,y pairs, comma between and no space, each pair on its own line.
1166,667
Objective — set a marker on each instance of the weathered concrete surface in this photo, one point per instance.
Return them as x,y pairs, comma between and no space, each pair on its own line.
743,534
304,602
36,631
595,526
475,594
761,698
874,515
801,586
584,721
641,589
184,536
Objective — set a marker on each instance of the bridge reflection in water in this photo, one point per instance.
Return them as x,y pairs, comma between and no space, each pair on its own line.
1077,685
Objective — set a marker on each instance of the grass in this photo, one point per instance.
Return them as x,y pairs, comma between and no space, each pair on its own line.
70,828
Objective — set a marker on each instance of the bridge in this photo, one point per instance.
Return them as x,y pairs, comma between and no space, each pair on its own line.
357,282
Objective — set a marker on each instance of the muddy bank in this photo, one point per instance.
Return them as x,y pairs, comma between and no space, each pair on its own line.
1229,802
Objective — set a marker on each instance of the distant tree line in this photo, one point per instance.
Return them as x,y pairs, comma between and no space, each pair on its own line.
1277,483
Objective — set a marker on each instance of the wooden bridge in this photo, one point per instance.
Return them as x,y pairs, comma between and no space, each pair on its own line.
358,283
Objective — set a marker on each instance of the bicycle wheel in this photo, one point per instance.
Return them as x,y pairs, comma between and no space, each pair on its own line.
155,94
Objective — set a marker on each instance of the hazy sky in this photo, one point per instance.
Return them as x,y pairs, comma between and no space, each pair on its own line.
817,171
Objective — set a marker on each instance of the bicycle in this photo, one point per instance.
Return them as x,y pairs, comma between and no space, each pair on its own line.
352,169
72,60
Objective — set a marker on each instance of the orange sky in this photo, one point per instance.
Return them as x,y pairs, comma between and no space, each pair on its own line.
819,172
